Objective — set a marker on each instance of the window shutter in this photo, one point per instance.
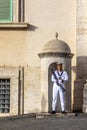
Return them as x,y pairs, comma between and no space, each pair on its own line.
6,10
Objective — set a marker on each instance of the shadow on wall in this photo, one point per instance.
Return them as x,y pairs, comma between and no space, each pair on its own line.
79,83
30,27
43,103
78,95
82,67
74,69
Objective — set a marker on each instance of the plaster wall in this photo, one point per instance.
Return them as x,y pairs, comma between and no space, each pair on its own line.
82,39
21,47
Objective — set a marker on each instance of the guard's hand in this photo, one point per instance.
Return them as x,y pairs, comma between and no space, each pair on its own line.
56,81
62,81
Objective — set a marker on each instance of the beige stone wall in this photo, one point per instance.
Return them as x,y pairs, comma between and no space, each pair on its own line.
82,39
81,48
50,16
21,47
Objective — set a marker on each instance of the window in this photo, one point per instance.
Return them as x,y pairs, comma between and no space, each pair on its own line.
4,95
11,10
12,14
6,10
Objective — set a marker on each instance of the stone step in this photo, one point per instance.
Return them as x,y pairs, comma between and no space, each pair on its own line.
48,115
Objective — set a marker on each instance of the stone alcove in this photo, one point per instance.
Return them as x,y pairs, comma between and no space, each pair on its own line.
54,51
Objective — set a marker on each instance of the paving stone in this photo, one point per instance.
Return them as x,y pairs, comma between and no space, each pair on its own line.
25,123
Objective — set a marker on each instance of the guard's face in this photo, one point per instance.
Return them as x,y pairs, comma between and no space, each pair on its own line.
59,67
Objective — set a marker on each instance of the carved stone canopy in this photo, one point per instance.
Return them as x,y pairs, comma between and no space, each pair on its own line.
56,48
54,51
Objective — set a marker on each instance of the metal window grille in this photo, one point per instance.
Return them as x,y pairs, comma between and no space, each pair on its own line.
4,95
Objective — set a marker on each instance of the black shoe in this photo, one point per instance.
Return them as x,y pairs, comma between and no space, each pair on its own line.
53,112
63,112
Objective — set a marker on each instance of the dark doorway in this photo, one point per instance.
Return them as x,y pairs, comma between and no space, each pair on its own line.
50,88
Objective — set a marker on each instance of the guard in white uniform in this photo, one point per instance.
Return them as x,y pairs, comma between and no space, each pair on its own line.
59,87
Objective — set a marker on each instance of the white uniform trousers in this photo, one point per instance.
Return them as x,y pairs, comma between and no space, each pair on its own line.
57,90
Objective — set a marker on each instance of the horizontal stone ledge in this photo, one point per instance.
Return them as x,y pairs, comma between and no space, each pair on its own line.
48,115
55,54
14,25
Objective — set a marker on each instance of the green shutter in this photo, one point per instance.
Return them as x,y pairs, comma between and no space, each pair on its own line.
6,10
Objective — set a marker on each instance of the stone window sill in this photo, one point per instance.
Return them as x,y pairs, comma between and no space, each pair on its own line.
14,25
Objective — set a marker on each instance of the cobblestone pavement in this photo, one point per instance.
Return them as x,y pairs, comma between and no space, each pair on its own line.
64,123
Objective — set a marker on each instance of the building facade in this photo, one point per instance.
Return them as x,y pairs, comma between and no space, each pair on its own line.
25,27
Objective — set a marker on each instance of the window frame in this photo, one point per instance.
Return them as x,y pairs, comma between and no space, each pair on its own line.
18,11
18,21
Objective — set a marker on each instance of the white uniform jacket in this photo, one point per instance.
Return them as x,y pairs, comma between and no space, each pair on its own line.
61,75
